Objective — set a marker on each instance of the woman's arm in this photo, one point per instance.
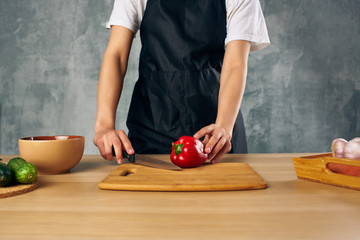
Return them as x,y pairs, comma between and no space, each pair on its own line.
232,86
110,85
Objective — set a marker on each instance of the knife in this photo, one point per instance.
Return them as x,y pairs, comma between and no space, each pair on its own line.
148,161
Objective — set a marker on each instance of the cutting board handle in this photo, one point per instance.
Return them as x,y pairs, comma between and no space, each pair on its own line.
128,171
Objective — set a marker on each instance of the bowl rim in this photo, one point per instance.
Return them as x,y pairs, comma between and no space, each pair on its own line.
51,138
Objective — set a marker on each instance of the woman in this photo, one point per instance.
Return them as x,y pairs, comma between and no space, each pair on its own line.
192,74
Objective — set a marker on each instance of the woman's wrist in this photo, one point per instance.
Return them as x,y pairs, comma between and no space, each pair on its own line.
103,126
227,126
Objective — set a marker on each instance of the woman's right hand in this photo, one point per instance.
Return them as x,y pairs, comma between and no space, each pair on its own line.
110,85
105,140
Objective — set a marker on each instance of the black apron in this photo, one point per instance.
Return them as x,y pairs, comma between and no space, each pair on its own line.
179,74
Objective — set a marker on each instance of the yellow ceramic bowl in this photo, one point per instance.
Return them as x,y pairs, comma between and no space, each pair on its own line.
52,154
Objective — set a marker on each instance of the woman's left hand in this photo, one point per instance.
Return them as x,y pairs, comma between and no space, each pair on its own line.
216,140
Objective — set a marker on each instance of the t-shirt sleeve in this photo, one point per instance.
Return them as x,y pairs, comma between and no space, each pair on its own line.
125,13
245,21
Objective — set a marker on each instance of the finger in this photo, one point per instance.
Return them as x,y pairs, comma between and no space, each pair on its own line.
204,131
126,142
206,139
101,150
221,153
218,146
213,141
95,141
118,150
107,151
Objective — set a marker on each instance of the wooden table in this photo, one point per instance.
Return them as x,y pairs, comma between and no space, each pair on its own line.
70,206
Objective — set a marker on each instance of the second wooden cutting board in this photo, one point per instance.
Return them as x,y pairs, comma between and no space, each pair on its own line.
209,177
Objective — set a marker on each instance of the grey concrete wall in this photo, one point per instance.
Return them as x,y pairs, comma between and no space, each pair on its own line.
302,91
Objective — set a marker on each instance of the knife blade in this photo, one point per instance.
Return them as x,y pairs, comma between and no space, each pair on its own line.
148,161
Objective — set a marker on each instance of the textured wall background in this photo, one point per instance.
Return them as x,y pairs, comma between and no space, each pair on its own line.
302,91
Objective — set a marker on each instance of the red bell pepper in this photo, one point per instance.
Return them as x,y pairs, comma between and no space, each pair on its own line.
188,152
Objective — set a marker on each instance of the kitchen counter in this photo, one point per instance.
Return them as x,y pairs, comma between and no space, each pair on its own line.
71,206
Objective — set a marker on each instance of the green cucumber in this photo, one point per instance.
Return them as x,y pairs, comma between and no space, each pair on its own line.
6,175
16,163
25,172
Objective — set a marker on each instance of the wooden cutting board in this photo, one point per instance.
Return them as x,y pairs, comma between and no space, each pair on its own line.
209,177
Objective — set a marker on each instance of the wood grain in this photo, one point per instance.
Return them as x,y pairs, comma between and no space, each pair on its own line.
314,168
209,177
71,206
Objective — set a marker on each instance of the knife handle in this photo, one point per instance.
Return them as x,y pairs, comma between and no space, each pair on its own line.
131,158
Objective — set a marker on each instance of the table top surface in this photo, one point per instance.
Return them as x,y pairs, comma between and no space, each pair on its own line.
71,206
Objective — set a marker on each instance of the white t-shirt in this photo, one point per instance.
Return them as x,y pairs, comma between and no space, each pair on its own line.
245,20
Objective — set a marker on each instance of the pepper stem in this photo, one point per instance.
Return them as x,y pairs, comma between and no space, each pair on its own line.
177,148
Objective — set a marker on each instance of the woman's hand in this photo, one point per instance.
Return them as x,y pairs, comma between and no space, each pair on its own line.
232,84
110,86
105,140
216,140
